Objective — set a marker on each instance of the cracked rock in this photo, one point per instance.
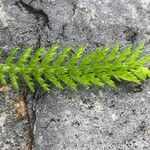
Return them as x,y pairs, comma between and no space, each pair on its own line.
90,119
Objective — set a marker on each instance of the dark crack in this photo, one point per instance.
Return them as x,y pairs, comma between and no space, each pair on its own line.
28,137
34,1
74,6
30,100
40,16
32,109
62,34
135,88
38,13
142,127
131,34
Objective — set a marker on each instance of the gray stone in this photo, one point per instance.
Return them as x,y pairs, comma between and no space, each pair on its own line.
90,119
94,119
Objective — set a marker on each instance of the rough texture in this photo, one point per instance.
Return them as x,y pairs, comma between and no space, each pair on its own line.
94,119
91,119
15,125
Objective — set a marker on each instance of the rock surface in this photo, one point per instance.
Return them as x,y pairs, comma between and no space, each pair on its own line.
91,119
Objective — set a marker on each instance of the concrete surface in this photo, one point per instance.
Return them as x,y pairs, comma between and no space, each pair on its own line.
90,119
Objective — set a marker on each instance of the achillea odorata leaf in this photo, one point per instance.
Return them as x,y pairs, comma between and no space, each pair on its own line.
98,67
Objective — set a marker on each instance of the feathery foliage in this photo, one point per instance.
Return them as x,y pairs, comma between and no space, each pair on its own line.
98,67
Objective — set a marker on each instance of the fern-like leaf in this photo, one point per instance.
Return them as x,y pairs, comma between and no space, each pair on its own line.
10,57
98,67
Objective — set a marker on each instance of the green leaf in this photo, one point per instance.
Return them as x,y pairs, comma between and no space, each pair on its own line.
107,79
113,53
35,59
25,54
54,80
144,59
123,56
94,56
28,79
49,55
10,57
126,75
141,73
13,79
67,80
2,79
62,56
74,58
98,67
93,79
42,82
49,73
136,53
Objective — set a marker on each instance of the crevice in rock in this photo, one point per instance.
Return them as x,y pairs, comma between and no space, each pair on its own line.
135,88
131,34
74,7
62,34
40,16
34,1
28,138
38,13
31,103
